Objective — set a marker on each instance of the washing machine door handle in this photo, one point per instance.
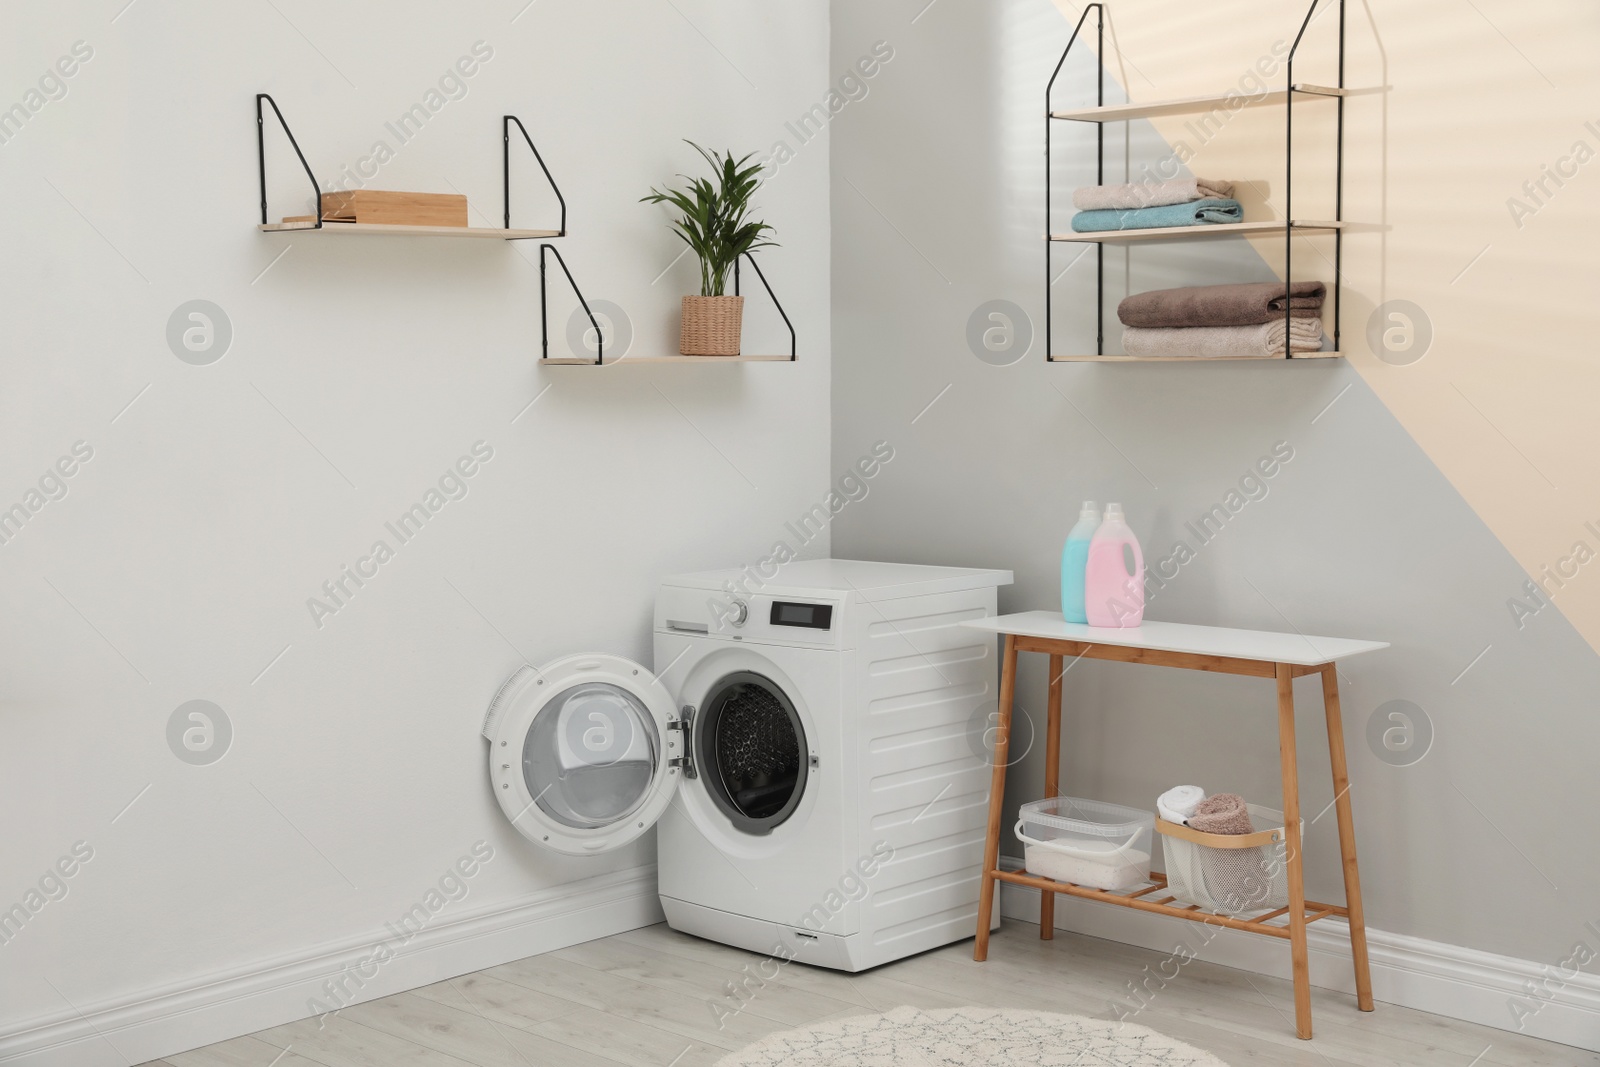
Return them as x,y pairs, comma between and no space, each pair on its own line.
680,743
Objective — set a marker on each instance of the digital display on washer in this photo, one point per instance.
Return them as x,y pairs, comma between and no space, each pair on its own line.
811,616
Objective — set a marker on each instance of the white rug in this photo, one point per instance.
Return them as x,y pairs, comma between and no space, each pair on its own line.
957,1037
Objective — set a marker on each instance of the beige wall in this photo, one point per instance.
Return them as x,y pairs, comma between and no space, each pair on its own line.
1457,105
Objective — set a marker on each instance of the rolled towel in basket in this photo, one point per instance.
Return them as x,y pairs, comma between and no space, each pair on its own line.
1236,879
1224,813
1179,802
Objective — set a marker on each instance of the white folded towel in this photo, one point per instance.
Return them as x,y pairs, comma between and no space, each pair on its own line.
1222,342
1179,802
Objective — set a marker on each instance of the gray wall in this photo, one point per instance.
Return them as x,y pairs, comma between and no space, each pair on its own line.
937,208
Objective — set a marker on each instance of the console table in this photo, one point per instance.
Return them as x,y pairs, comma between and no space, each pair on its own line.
1257,654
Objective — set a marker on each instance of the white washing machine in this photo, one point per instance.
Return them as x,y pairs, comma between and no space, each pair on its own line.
811,745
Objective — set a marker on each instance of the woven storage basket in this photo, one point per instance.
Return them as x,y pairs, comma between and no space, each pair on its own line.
711,325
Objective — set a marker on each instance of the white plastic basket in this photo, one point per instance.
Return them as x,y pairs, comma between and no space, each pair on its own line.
1229,874
1086,842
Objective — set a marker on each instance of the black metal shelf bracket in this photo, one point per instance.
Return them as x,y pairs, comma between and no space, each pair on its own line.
261,160
793,341
505,170
544,304
1100,174
1288,191
1288,197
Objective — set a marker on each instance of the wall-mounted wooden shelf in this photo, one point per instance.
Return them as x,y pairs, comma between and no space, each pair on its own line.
386,230
571,361
1213,229
599,359
1191,104
311,223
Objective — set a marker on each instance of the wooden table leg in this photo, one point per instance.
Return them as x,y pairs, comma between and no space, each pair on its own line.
997,797
1347,836
1052,783
1296,866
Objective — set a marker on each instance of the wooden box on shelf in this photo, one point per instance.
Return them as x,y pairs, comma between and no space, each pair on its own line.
386,208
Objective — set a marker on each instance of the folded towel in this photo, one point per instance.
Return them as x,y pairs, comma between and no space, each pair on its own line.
1194,213
1243,304
1225,813
1179,802
1148,194
1221,342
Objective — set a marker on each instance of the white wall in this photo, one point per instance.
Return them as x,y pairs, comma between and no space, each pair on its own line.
219,498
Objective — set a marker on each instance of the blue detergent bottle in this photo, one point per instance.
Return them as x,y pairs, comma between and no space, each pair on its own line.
1075,560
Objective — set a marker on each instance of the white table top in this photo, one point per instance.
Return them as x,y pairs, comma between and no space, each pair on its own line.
1297,649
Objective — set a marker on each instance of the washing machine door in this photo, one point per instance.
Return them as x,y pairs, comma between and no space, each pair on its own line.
585,753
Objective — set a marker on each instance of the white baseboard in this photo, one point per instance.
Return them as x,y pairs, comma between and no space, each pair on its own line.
1459,983
157,1023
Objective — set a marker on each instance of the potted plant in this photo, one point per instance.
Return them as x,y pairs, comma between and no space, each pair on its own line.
716,224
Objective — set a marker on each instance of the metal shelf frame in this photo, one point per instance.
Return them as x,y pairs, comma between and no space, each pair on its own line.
509,234
599,358
1287,96
444,231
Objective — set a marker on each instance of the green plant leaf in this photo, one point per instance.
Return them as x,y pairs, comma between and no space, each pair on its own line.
714,218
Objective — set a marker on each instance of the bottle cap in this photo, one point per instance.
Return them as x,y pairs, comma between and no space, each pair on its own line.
1113,511
1090,510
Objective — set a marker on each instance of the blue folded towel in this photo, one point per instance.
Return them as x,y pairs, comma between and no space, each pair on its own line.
1194,213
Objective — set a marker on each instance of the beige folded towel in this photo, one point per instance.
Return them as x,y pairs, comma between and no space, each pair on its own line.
1149,194
1218,342
1222,813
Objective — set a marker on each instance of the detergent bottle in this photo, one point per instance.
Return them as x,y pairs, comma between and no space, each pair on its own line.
1113,595
1075,561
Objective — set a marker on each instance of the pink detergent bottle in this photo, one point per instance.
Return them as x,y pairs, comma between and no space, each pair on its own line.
1112,596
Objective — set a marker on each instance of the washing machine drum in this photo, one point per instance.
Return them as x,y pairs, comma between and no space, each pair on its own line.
750,749
584,754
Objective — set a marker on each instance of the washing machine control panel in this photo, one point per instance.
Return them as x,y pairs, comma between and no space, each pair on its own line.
756,617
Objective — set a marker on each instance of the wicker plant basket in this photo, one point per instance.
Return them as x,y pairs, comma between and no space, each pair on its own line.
711,325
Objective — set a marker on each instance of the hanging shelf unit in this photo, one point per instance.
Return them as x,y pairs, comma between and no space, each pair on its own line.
1289,227
600,361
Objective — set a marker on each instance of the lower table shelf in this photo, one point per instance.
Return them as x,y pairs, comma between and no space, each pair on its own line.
1141,898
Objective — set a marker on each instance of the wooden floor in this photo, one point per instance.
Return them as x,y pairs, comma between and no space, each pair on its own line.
651,998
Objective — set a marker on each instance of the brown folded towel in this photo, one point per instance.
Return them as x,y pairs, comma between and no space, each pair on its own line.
1224,813
1244,304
